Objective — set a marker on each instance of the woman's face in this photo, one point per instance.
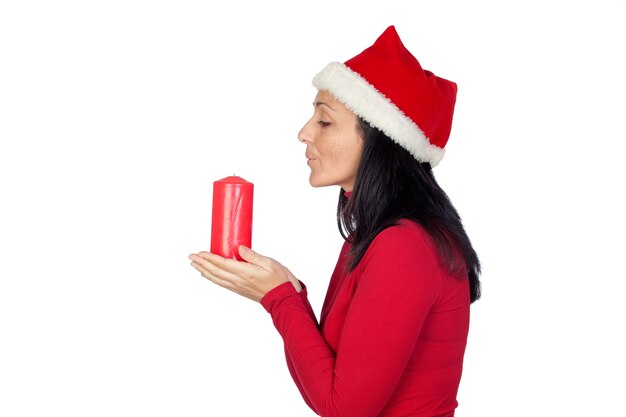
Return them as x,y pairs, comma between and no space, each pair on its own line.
333,143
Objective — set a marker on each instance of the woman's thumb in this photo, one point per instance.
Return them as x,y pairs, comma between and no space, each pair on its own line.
254,258
246,253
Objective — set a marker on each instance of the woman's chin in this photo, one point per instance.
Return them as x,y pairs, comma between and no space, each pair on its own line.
317,183
314,184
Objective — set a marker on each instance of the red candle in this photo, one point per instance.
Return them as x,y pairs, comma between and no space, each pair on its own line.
231,224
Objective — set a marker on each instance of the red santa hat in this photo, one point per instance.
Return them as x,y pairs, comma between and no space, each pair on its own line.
386,86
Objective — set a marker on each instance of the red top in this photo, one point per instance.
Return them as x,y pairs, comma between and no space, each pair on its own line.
392,333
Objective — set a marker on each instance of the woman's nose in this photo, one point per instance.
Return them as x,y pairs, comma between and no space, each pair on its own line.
304,134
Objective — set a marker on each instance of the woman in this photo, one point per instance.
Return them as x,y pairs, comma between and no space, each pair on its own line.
394,323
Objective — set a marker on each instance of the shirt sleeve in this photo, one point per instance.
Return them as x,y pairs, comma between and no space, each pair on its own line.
304,297
398,285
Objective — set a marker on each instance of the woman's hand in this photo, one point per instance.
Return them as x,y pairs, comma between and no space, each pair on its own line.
251,279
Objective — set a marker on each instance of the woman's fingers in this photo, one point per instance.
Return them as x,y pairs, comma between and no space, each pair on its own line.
210,267
252,279
231,265
212,277
229,283
254,258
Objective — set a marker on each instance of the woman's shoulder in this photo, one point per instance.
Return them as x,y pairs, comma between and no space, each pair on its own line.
404,237
401,253
404,229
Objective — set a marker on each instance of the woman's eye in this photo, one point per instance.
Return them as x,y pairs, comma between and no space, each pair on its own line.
323,123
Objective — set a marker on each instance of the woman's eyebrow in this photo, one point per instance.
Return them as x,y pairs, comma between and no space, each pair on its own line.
322,103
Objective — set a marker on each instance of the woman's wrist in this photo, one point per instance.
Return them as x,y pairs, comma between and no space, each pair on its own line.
296,284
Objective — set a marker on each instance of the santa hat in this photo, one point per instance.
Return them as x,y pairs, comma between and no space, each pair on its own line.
386,86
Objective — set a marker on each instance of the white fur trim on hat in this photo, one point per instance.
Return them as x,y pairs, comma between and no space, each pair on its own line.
366,101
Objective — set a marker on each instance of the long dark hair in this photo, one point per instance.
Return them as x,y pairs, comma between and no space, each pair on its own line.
391,185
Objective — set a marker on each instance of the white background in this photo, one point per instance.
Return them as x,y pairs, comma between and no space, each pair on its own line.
117,116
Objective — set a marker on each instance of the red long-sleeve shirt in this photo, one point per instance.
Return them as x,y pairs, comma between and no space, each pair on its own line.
392,332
